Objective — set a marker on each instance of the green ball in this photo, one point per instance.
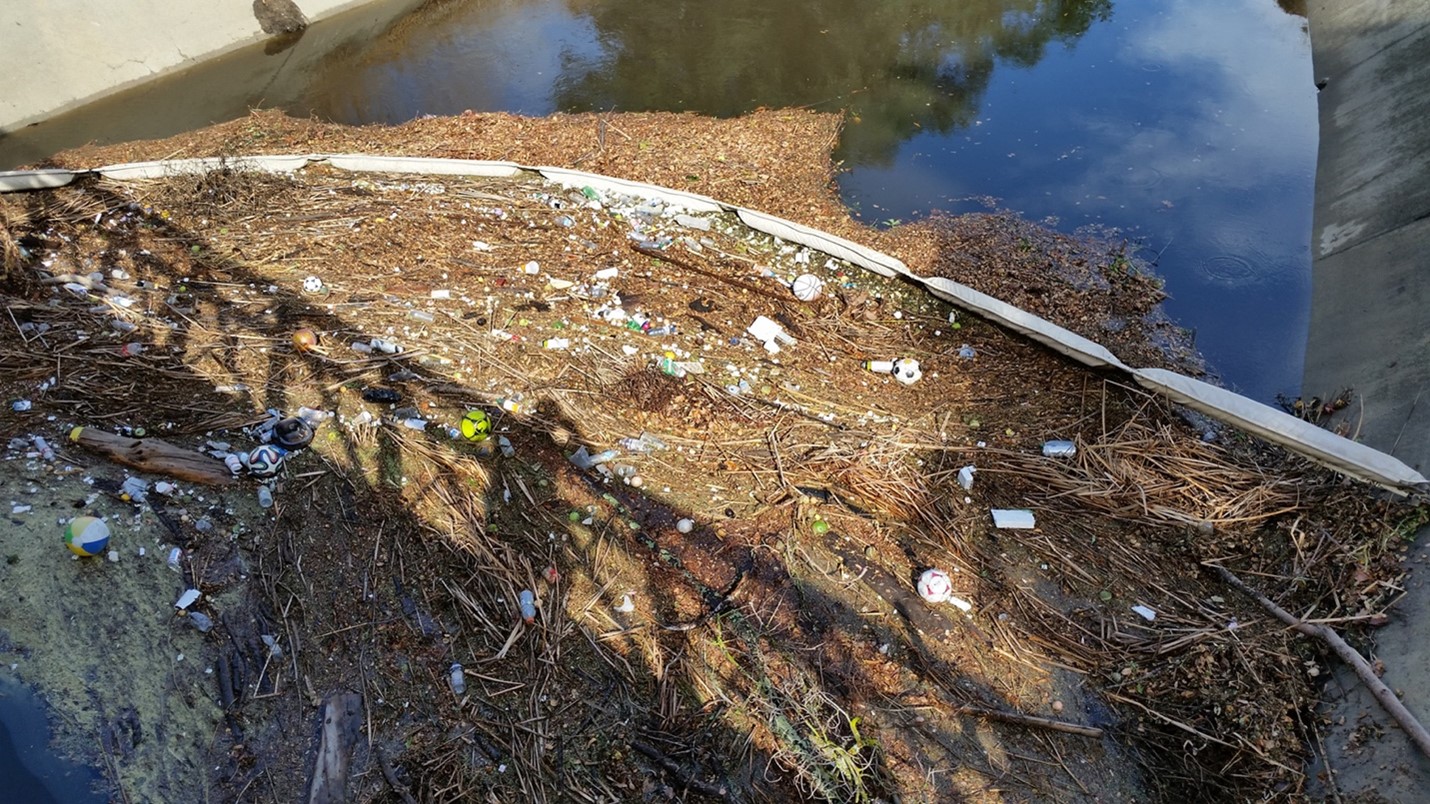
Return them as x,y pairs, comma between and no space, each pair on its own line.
476,426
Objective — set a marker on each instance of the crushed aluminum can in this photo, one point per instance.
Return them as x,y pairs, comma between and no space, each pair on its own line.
1059,449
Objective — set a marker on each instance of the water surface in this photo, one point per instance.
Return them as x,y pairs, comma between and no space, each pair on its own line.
30,770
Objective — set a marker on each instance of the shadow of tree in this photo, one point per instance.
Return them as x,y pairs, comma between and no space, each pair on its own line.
761,661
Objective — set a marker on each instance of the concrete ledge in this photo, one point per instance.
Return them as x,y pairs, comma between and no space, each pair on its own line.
59,54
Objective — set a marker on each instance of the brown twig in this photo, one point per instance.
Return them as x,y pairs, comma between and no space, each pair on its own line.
1349,655
1030,720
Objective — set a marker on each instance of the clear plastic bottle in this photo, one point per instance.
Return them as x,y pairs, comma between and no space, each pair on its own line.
312,416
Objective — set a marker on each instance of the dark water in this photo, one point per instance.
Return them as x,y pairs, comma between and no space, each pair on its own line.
1189,125
30,771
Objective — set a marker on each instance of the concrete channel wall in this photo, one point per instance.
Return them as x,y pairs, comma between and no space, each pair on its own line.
1370,331
1370,298
60,54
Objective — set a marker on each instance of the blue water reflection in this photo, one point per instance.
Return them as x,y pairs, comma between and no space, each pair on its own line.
1189,125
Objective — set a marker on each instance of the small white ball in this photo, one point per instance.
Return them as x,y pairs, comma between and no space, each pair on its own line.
312,284
935,586
807,287
685,525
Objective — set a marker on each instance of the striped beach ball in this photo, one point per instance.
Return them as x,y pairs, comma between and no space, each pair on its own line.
86,536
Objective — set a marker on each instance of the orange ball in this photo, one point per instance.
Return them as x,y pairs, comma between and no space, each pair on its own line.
305,340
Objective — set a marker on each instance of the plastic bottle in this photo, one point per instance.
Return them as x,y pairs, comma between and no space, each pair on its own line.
361,348
671,367
457,677
385,346
265,497
423,315
313,417
602,457
527,601
415,423
43,447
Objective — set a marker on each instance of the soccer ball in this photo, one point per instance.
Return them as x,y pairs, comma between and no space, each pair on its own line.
265,460
312,284
935,586
476,426
907,371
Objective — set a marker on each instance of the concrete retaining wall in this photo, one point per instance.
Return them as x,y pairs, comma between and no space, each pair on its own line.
59,54
1370,298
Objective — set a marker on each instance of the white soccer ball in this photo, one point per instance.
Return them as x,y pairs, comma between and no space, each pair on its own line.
935,586
312,284
907,371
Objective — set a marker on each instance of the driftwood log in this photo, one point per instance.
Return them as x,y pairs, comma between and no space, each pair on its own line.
342,719
153,455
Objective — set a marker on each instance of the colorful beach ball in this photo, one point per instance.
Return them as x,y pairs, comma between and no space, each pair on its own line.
87,536
476,426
